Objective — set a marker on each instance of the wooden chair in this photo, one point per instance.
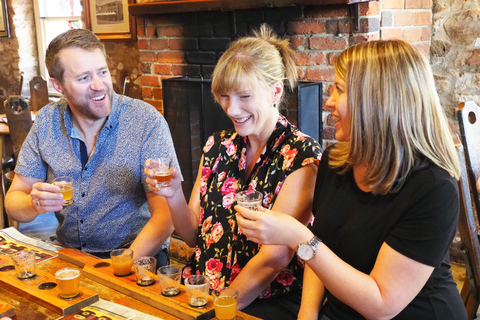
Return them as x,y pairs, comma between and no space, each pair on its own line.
19,119
126,86
38,93
469,122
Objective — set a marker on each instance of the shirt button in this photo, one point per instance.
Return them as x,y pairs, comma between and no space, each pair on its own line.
81,221
85,168
83,194
84,245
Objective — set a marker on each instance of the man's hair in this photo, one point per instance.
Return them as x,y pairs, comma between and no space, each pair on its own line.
75,38
397,121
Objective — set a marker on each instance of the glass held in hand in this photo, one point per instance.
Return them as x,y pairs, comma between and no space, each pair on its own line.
162,169
66,188
249,199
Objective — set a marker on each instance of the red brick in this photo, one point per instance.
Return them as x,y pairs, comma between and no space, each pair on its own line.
327,11
330,121
158,44
393,4
146,92
170,31
145,56
423,47
427,4
328,43
309,59
143,44
158,93
413,4
157,104
412,34
170,57
403,18
141,32
320,74
365,38
164,69
394,33
331,57
329,133
297,42
426,34
306,27
301,74
150,81
423,18
369,8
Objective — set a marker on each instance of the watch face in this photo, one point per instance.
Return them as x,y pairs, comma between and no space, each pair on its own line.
305,251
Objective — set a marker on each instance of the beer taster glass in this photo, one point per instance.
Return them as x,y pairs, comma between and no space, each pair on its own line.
66,188
250,199
162,168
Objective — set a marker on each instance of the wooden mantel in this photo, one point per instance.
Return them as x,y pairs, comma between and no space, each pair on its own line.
176,6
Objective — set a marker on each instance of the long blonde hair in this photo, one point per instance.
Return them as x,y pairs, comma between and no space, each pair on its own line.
397,122
261,57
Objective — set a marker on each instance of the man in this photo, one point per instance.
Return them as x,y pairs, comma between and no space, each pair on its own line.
101,140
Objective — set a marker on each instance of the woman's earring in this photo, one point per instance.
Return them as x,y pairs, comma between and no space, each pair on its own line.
275,105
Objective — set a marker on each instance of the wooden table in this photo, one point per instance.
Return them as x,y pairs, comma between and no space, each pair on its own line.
28,310
4,131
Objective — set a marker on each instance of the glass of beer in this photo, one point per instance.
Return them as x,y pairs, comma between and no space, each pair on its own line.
250,199
122,262
162,168
66,188
68,280
225,303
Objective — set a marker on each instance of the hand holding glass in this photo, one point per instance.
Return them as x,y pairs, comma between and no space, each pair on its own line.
66,188
162,169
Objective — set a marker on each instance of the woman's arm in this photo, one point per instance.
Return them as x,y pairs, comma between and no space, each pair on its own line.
313,294
393,283
184,216
295,198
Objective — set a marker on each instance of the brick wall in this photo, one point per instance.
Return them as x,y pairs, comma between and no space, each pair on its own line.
173,45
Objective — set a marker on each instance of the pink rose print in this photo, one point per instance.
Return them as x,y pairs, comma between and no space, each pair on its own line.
308,161
209,144
266,293
228,200
200,216
215,165
279,186
221,176
289,156
231,150
267,199
206,173
285,277
198,252
232,224
242,163
213,265
217,232
187,272
279,140
216,283
229,186
206,225
235,271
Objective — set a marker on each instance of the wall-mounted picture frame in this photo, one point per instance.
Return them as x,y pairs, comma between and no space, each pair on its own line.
4,22
109,19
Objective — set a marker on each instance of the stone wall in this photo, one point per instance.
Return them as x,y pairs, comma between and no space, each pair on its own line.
455,52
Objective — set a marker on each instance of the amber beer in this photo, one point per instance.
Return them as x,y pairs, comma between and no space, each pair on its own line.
68,280
163,177
162,168
67,193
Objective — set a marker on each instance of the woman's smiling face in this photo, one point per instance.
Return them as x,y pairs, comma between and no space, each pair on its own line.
251,109
339,103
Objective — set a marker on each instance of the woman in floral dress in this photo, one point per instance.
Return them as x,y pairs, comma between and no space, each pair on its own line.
264,153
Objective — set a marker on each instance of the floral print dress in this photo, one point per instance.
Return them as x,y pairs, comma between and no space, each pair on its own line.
222,251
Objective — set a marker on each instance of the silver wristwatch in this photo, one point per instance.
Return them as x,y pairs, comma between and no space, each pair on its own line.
306,250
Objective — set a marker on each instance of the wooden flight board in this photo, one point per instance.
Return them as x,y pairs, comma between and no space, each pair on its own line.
97,270
6,309
42,289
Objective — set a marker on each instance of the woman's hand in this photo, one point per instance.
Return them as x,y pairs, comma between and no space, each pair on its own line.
166,192
270,227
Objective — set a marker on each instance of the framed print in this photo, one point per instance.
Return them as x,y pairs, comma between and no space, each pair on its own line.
4,23
109,19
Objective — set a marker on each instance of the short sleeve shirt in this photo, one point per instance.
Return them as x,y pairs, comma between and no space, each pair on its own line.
222,251
110,206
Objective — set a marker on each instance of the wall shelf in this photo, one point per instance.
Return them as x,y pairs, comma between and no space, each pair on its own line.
177,6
